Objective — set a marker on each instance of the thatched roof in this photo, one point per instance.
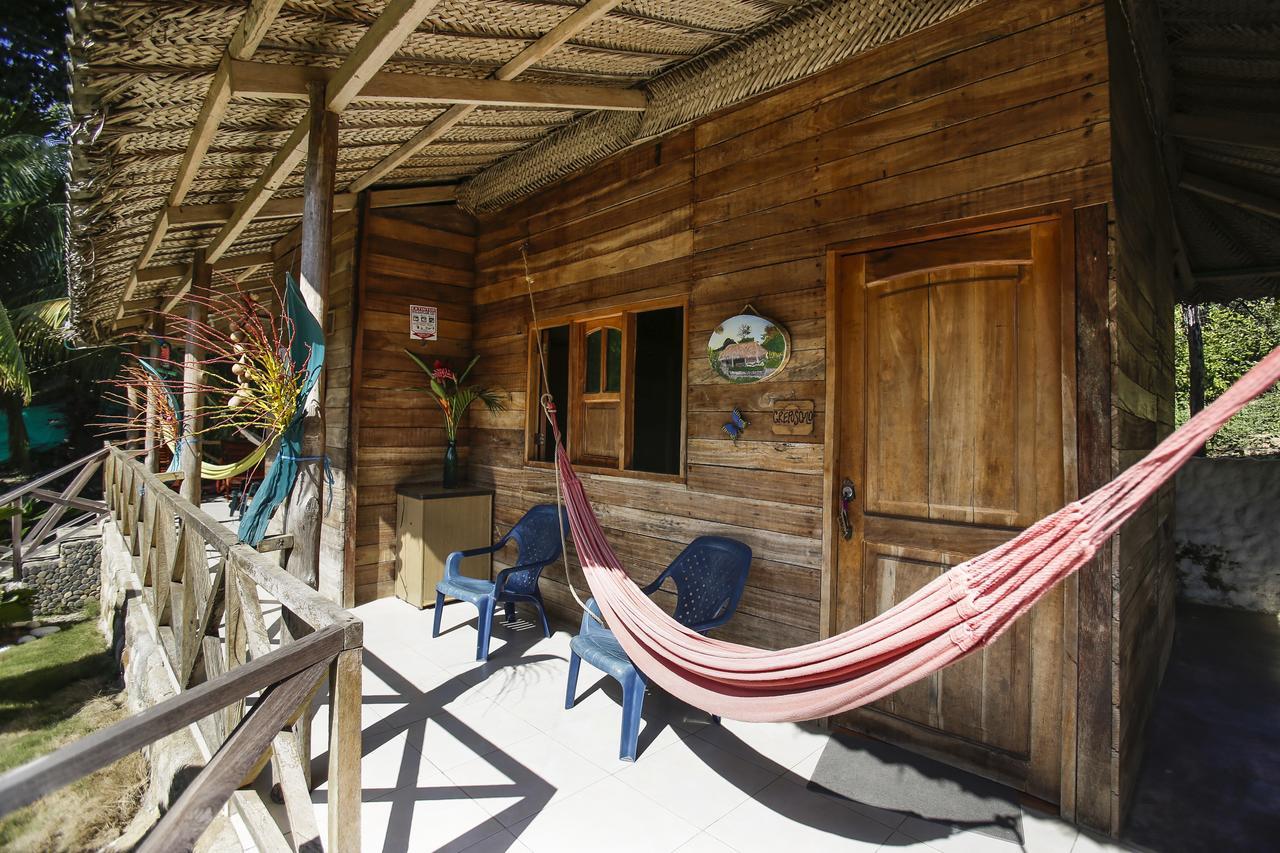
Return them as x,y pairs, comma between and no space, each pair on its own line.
143,70
1215,76
744,350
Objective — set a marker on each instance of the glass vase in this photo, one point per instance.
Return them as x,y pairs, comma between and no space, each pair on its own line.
450,479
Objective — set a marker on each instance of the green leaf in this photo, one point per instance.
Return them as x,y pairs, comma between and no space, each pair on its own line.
472,364
14,378
422,364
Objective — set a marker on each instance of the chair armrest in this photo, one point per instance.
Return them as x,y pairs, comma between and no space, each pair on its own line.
453,562
500,581
588,626
657,582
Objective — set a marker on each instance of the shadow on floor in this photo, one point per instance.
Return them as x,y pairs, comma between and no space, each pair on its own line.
1211,774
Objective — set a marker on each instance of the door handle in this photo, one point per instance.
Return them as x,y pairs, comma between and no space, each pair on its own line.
847,494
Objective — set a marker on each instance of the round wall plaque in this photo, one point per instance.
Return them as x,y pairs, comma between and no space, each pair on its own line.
748,348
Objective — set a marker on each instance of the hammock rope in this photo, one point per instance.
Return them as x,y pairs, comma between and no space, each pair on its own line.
960,612
548,404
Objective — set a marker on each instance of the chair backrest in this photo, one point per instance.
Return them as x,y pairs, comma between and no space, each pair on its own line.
537,534
710,576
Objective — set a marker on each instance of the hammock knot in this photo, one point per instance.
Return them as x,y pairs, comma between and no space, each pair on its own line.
960,594
963,636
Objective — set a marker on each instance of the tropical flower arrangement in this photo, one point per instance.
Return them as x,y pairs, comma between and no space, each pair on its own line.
454,398
247,379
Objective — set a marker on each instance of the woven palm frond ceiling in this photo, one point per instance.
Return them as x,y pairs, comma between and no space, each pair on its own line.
1217,88
143,72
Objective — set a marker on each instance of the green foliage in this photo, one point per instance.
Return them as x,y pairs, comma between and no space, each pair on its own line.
31,673
15,604
33,54
453,397
15,380
1236,336
34,160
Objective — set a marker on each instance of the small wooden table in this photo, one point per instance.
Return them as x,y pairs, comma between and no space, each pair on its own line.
431,523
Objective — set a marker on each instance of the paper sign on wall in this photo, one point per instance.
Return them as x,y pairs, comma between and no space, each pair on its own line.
422,322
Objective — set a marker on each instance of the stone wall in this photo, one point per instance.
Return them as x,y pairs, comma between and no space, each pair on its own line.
1228,511
66,582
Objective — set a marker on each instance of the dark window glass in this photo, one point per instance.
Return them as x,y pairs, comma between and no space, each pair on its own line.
659,370
593,362
613,360
555,345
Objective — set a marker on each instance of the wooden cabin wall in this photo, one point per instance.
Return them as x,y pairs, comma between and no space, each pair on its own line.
409,256
1002,107
339,325
1143,402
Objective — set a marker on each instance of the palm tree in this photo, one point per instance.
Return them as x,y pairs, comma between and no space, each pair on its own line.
33,309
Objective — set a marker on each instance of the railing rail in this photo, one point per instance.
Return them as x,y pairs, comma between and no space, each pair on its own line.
59,503
204,592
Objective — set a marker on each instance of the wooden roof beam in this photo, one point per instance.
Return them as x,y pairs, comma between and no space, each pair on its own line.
1231,193
408,196
578,20
230,262
1238,274
244,42
384,36
267,80
1240,129
192,215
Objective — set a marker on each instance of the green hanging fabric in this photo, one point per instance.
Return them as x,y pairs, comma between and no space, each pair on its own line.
307,353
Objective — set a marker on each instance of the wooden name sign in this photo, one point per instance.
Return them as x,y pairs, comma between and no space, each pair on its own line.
793,417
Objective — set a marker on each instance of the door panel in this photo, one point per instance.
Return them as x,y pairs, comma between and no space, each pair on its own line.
951,418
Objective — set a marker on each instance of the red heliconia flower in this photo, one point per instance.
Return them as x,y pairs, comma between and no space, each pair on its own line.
443,373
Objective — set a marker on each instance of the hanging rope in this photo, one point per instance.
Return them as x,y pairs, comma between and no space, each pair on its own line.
548,404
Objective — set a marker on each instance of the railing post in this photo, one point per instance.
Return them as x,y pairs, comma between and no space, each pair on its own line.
150,439
344,750
15,533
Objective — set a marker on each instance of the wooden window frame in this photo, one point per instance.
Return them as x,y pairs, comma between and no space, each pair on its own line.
580,324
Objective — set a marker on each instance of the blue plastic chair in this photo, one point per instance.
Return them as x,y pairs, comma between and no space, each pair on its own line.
537,536
710,576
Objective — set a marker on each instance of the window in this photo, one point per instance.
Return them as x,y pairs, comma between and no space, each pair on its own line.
618,384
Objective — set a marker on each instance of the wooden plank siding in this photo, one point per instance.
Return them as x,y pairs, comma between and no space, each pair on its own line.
335,581
1142,303
1004,107
1000,108
409,256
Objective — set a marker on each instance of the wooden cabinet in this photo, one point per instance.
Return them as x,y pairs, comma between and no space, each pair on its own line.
431,523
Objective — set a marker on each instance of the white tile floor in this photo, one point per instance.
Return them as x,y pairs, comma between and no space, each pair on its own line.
465,757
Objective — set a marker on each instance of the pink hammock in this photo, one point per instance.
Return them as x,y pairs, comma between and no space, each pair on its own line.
961,611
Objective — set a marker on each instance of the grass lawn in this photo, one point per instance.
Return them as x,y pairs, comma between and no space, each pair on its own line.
53,691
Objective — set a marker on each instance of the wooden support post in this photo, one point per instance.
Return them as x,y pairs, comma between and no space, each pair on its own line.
344,750
1093,801
1192,319
306,505
151,440
304,514
190,447
15,539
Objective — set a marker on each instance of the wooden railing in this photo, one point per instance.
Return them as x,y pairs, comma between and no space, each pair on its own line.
204,592
59,503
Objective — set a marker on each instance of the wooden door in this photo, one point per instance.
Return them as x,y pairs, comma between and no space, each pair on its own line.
952,428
